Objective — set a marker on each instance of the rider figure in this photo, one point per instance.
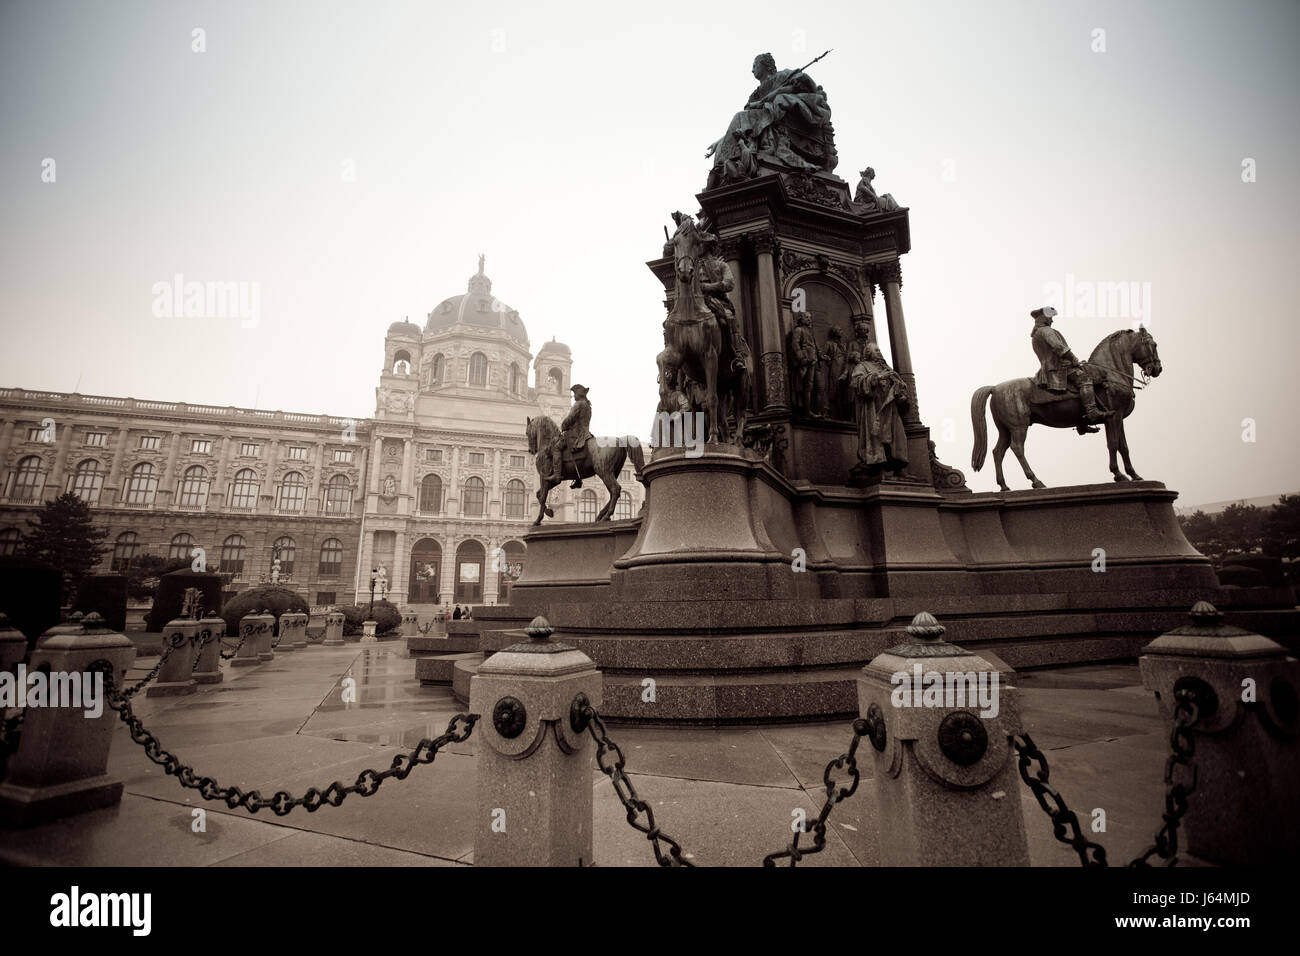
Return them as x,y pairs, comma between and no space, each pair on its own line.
576,434
1058,367
716,283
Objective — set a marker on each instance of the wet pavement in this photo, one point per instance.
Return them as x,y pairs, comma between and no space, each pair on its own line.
728,795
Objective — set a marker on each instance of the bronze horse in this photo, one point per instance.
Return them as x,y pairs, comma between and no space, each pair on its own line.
691,331
1013,412
610,456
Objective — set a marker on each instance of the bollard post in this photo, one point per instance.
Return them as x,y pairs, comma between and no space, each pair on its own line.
176,676
410,622
333,629
13,645
250,641
62,758
207,670
534,774
1246,752
265,636
942,720
293,631
368,632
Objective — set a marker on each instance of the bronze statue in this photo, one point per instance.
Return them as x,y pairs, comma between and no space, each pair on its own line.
605,459
575,437
804,356
833,359
1018,403
865,194
717,283
853,354
1058,369
881,394
787,119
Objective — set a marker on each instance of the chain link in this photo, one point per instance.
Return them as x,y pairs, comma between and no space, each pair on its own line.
281,803
1065,825
627,794
1183,744
205,636
175,641
227,655
834,795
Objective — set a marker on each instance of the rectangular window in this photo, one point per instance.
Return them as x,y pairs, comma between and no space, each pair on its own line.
343,456
201,446
95,438
298,453
34,434
249,449
476,458
149,442
433,454
324,597
516,461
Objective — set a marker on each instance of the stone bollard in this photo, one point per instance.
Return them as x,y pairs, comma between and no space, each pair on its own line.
207,669
333,629
368,632
410,623
266,636
534,792
250,631
946,774
1242,811
293,631
13,645
176,676
59,768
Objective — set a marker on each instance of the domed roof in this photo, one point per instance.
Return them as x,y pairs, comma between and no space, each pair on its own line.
404,328
553,346
477,307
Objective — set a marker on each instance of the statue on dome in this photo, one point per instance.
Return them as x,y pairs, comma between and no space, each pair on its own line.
786,121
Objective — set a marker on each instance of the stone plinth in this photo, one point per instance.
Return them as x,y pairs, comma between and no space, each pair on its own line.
293,631
1243,810
368,632
62,758
410,622
181,645
250,639
265,636
207,669
333,629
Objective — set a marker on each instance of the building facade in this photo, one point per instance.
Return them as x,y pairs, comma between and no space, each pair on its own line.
437,487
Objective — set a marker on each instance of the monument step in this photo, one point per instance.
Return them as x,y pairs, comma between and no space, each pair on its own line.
420,645
440,670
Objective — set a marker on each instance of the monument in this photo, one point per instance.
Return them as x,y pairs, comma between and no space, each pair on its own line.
814,520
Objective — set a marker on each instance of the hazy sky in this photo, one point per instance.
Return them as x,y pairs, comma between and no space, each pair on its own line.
557,138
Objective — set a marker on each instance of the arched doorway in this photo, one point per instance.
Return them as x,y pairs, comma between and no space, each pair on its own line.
469,573
426,573
511,565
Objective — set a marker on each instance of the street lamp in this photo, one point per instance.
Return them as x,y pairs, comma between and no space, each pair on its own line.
370,615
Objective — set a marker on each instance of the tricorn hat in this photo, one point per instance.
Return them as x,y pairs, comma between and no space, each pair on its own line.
1047,312
579,390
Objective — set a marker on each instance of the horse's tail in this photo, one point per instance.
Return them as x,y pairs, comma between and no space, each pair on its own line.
638,457
977,402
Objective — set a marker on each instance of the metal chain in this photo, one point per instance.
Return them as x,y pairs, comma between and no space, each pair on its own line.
367,782
225,656
1063,818
627,794
847,760
204,637
172,644
1183,744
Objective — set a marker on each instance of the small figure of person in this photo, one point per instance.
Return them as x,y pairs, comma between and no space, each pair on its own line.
456,615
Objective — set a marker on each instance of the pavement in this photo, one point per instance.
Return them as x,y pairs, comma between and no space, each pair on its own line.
728,794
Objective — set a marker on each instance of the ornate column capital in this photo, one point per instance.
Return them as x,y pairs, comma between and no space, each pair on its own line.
888,271
729,248
764,242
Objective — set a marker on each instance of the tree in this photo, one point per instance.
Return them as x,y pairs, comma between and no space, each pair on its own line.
64,536
1241,529
1282,528
145,571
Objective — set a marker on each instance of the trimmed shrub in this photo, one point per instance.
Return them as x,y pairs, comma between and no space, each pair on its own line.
387,617
170,596
31,594
105,593
273,599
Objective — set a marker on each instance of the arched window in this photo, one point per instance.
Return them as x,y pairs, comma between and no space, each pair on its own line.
556,378
142,484
478,369
293,492
28,479
126,547
402,362
431,495
624,507
232,554
194,487
9,539
587,506
338,495
285,549
516,496
436,370
88,481
180,547
468,585
331,557
243,490
472,496
514,378
510,564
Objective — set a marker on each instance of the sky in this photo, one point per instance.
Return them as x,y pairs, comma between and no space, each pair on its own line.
351,160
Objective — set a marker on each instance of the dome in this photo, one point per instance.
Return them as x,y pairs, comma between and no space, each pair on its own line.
553,346
477,307
404,328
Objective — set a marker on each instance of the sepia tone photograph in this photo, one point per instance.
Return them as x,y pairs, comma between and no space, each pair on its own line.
749,435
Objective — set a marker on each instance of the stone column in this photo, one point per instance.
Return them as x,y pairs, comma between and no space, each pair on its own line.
771,344
62,758
221,483
451,494
61,460
1246,737
114,483
167,483
399,575
313,501
376,460
534,795
6,438
946,779
890,276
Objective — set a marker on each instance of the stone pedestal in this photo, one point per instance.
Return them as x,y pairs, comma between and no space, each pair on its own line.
59,768
207,670
534,775
266,636
945,768
13,645
1243,810
368,632
293,631
333,629
250,640
181,644
410,623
